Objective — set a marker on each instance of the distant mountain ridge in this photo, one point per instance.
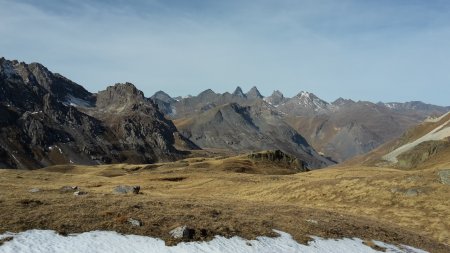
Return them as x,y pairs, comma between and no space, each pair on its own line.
341,129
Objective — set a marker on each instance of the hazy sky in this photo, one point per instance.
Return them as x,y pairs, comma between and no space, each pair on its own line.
377,50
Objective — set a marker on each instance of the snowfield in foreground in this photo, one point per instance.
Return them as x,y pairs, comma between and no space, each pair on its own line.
101,241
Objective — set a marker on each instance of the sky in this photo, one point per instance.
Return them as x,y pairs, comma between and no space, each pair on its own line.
374,50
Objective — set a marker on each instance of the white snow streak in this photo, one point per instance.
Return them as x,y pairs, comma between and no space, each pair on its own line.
438,133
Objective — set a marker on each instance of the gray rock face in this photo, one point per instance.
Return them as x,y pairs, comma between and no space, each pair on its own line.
126,189
47,119
444,176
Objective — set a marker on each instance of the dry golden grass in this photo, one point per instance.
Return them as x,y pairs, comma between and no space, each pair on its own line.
367,202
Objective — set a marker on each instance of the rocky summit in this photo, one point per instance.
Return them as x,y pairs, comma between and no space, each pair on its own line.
48,119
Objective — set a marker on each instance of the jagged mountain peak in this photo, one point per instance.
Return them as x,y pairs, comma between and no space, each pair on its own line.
35,74
277,93
119,95
125,89
342,101
206,92
254,93
238,92
306,94
276,98
308,99
161,95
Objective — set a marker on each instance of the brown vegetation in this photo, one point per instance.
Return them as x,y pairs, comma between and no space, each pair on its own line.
209,196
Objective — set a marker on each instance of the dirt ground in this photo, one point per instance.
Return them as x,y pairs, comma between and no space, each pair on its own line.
208,195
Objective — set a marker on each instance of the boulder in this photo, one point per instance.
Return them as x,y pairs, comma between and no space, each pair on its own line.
125,189
134,222
183,232
79,193
69,189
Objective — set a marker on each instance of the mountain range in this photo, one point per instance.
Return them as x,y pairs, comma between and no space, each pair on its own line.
47,119
339,130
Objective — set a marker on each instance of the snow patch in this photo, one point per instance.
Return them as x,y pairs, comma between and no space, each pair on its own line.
104,241
55,146
73,101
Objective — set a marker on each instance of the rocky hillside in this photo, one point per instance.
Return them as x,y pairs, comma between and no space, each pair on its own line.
48,119
255,127
423,145
340,130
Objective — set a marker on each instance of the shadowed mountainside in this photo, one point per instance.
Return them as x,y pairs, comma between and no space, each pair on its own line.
48,119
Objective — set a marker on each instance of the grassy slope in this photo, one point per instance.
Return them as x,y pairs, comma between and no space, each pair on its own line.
207,193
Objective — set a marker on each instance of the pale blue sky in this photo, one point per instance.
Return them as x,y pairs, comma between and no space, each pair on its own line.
379,50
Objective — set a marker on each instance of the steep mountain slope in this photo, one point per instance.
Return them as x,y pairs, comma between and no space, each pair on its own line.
248,128
47,119
423,145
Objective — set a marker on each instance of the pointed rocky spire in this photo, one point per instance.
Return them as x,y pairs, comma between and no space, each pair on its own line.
238,92
254,93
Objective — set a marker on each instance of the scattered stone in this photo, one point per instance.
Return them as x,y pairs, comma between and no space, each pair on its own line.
412,192
183,232
125,189
34,190
69,189
444,176
134,222
79,193
312,221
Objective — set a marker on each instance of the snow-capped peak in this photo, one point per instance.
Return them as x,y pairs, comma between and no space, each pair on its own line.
310,100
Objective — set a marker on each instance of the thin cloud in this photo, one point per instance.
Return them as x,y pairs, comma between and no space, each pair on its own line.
391,51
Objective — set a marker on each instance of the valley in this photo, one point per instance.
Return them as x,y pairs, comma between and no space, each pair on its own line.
231,165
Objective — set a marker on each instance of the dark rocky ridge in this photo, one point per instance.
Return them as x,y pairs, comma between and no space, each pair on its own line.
47,119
